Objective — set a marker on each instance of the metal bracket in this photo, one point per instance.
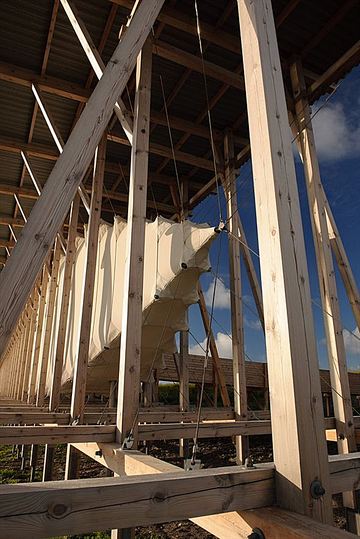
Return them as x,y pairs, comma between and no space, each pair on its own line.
190,465
316,489
128,442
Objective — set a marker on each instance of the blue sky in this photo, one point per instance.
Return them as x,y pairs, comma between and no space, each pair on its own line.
337,136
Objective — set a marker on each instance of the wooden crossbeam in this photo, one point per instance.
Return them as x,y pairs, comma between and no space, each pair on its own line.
343,470
70,507
19,76
210,429
56,434
28,255
123,114
176,19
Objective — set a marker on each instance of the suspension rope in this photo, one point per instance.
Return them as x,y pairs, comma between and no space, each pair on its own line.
208,107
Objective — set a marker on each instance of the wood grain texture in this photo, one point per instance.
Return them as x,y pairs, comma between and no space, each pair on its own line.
132,317
58,508
300,452
19,274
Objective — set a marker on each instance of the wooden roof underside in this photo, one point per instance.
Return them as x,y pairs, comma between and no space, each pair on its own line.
38,45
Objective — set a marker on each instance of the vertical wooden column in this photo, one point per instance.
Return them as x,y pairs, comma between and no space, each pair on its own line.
21,352
81,362
65,299
237,322
55,389
38,338
52,289
300,452
184,394
28,351
213,348
130,348
327,283
31,345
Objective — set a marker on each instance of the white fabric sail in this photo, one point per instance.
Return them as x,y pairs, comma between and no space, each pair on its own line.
175,256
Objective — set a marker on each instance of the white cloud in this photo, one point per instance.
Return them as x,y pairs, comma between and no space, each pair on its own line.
223,343
335,136
252,324
222,295
352,342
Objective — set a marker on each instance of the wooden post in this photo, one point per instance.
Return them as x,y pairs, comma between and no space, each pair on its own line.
130,348
213,348
49,319
39,332
81,362
328,290
55,389
21,353
61,337
29,349
184,394
237,322
300,453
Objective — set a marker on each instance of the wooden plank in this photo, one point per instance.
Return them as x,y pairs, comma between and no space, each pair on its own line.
209,429
56,434
130,347
50,210
53,286
31,347
55,388
123,114
226,525
179,56
176,19
184,390
299,447
58,508
333,73
55,133
237,321
82,356
39,332
275,523
250,269
327,284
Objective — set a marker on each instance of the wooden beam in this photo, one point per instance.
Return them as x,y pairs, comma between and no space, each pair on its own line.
157,117
334,72
274,523
176,19
237,322
165,151
81,361
213,348
19,273
130,346
56,434
85,505
208,429
55,133
56,373
226,525
181,57
328,290
250,269
123,114
300,452
39,334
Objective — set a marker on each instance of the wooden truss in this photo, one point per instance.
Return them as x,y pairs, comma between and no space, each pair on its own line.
290,497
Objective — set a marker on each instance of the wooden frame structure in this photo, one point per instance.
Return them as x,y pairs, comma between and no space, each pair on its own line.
290,497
